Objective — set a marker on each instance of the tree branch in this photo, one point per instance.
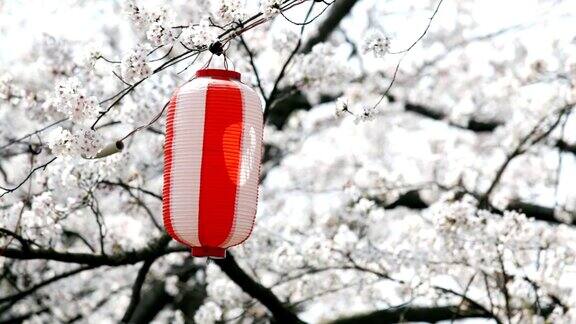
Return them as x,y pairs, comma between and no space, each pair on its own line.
18,296
154,250
413,200
136,289
156,297
340,9
43,166
415,314
532,138
257,291
280,107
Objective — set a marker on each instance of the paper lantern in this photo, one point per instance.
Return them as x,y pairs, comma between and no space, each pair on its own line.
212,162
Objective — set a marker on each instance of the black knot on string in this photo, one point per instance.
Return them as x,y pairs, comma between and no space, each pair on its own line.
216,48
35,149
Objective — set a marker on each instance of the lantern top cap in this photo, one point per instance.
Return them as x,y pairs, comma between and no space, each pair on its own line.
219,74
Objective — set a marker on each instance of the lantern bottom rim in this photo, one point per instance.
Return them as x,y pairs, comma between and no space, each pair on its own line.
210,252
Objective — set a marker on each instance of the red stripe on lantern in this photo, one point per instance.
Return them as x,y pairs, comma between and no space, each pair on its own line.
166,195
220,163
252,111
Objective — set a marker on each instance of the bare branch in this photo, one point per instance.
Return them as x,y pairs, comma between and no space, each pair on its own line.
18,296
257,291
431,314
340,9
43,167
136,289
155,250
530,139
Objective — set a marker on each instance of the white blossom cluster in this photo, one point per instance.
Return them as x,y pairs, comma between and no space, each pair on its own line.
134,66
511,243
60,142
159,34
320,70
270,8
5,86
138,16
341,106
82,141
285,41
231,10
55,55
367,114
157,22
72,99
91,55
171,286
208,313
87,142
41,220
160,29
376,43
198,36
363,114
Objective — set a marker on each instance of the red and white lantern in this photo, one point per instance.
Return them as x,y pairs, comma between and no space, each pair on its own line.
212,162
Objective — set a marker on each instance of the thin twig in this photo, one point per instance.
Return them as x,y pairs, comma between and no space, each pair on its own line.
252,60
43,166
520,149
280,76
36,132
424,32
405,52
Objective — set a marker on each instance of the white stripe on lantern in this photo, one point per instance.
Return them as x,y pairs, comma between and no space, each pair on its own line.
247,190
187,147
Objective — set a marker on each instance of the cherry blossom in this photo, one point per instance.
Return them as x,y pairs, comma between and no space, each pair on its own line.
134,64
72,99
199,35
376,43
270,8
231,10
